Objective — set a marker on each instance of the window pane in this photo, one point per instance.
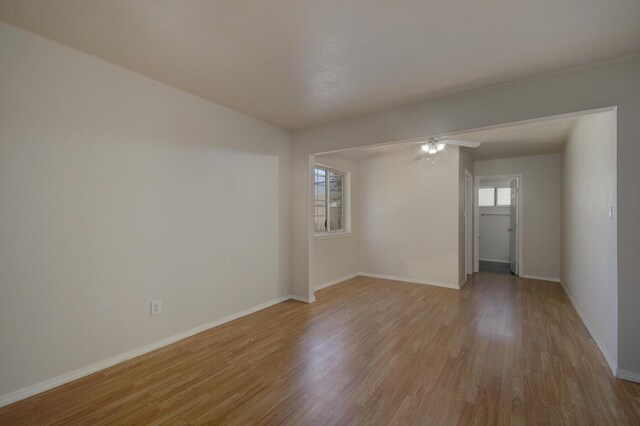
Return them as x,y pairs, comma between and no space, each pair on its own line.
337,219
336,222
320,209
320,217
336,186
486,197
321,224
504,196
320,192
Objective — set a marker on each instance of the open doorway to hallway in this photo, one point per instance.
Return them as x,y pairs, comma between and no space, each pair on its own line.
497,207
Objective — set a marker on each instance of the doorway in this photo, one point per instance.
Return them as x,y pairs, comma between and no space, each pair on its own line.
498,218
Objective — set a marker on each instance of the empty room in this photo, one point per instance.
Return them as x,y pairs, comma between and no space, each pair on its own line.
319,213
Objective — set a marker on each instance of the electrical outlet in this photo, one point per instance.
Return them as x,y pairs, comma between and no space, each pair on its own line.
156,307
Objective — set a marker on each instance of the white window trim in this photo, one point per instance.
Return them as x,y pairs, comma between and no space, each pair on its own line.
346,204
332,234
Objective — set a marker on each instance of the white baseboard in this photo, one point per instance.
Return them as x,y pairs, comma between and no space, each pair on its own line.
410,280
603,349
541,278
101,365
466,278
334,282
496,260
303,299
628,375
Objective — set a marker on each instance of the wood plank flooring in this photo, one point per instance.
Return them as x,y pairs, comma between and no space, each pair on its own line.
502,350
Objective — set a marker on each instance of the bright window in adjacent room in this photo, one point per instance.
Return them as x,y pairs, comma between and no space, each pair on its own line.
330,205
503,196
491,197
486,197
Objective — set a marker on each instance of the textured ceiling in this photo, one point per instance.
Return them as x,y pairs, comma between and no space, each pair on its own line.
359,154
296,63
544,137
536,138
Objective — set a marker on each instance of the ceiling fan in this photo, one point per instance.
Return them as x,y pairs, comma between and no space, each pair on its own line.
433,146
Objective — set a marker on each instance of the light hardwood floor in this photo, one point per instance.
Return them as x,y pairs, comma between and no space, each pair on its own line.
503,350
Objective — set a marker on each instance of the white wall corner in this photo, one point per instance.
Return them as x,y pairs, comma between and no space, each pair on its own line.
464,281
336,281
627,375
302,298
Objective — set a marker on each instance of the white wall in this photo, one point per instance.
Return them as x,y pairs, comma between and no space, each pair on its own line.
406,207
337,256
540,229
494,237
117,190
589,250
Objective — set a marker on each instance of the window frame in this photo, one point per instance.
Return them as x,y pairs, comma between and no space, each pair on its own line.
346,210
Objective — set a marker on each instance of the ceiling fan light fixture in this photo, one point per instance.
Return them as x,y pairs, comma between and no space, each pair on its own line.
433,146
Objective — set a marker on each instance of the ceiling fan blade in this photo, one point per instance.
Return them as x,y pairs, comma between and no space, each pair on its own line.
462,143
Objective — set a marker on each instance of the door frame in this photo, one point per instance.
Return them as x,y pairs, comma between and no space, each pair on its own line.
476,218
468,221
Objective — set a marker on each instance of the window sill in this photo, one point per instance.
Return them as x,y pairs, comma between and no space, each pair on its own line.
327,235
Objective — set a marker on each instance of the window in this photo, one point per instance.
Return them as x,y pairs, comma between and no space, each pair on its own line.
486,197
503,196
490,197
329,207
